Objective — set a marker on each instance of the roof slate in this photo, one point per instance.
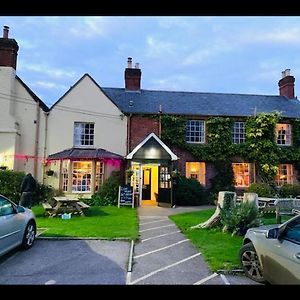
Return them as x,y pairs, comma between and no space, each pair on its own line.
79,153
201,104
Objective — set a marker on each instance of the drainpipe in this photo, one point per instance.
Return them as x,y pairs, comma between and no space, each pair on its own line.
128,133
36,143
45,144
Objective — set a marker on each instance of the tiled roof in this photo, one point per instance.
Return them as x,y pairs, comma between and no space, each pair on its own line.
79,153
201,104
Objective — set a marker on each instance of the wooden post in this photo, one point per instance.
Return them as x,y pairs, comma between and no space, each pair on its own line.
119,195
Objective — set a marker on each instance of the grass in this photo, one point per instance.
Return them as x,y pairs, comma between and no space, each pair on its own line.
220,250
109,222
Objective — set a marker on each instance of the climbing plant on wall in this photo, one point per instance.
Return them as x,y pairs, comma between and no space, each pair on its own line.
259,147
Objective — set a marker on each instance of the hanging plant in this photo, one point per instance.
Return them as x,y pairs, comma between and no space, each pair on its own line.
50,172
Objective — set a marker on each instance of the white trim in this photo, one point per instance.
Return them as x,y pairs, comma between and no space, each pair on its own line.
141,144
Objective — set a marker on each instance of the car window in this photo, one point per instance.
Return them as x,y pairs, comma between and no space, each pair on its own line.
6,207
292,231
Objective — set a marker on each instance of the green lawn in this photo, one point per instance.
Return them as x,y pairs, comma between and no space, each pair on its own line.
220,250
107,222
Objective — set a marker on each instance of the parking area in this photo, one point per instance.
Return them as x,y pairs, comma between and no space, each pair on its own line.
64,262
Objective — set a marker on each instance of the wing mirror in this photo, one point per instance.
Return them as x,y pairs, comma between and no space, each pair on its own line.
272,233
20,209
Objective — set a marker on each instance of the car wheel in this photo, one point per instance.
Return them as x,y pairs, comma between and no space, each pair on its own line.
29,235
250,263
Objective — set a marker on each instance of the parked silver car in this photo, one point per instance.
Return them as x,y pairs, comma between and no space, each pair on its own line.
17,226
271,253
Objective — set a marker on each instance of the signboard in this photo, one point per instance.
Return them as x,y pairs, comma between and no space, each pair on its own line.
125,195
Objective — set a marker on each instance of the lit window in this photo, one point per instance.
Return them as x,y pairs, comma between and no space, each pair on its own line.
284,174
82,173
99,175
65,175
195,132
165,178
283,134
238,134
83,134
196,170
241,174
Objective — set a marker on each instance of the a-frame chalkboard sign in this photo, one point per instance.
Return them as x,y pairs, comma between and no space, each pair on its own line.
125,195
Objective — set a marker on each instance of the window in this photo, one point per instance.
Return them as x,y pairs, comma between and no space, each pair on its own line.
99,175
241,174
238,134
165,178
292,231
65,175
195,170
6,207
195,132
83,134
283,134
82,173
284,174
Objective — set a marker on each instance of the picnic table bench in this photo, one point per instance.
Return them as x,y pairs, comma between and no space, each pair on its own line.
286,207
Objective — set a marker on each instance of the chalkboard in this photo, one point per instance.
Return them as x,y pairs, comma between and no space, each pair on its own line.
125,195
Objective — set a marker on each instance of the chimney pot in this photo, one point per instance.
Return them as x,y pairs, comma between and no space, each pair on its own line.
129,63
5,32
137,65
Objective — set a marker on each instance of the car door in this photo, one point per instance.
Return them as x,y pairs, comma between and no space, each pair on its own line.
282,260
11,226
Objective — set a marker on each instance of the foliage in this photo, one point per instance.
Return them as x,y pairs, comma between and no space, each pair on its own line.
289,190
43,193
108,192
188,191
259,148
10,184
239,218
261,189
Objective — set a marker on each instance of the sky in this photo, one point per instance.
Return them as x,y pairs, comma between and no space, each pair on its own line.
218,54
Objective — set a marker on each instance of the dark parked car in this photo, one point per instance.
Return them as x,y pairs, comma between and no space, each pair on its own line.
271,253
17,226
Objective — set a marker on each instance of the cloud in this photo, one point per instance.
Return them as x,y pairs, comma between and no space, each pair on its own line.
49,85
156,47
55,73
177,83
89,27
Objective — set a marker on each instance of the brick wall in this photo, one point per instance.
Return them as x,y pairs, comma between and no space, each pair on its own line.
140,128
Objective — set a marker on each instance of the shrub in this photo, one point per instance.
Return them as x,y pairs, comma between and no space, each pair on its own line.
10,184
240,218
188,191
261,189
43,193
108,192
288,190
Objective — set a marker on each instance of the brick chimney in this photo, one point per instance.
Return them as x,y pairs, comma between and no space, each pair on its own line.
132,76
286,85
8,50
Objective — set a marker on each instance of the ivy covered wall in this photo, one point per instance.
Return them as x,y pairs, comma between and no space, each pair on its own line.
259,148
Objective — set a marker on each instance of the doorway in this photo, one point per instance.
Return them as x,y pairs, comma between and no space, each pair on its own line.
149,184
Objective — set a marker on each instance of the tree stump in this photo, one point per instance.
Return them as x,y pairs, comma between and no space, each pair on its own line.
214,219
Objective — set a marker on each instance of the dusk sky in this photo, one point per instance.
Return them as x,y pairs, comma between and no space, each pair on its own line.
198,54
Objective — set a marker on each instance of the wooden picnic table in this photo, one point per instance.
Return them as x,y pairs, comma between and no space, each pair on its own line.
65,205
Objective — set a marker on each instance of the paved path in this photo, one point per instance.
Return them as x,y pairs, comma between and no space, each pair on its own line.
164,256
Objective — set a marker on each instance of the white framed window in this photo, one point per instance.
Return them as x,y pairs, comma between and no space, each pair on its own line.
65,175
284,174
195,170
99,175
283,134
238,133
81,176
84,134
195,131
241,174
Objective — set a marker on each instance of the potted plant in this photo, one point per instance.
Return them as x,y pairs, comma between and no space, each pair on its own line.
50,172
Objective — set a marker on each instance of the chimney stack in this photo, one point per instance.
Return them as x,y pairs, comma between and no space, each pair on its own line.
132,76
8,50
286,84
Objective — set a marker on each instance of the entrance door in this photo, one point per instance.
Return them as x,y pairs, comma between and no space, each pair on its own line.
146,190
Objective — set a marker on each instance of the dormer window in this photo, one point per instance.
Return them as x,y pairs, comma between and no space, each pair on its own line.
283,134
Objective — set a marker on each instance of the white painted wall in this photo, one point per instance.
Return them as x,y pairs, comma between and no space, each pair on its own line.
19,117
87,103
